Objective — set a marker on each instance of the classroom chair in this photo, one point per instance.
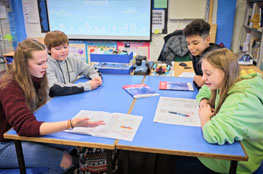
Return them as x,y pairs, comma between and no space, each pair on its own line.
260,169
36,170
175,48
2,64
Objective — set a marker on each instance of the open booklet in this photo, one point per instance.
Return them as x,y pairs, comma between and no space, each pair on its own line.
177,111
117,125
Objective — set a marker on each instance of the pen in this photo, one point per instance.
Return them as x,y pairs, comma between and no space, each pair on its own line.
180,114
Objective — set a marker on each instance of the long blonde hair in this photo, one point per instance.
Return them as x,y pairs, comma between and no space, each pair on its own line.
225,60
20,73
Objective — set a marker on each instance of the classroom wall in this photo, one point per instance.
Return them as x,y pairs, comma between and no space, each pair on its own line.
18,16
225,22
238,26
157,39
33,28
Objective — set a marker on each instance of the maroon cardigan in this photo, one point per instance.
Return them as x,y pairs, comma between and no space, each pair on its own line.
14,112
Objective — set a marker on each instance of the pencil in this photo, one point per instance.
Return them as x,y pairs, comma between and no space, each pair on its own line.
180,114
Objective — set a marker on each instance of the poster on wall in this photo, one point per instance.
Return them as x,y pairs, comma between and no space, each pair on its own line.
78,50
158,22
138,48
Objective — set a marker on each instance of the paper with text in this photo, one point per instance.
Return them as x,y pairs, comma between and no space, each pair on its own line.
177,111
117,125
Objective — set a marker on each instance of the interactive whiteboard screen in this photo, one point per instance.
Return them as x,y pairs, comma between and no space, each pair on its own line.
101,19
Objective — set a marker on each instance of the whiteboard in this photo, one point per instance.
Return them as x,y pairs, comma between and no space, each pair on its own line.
101,19
187,9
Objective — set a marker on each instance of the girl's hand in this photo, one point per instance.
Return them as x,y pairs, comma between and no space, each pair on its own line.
198,80
85,122
205,113
203,102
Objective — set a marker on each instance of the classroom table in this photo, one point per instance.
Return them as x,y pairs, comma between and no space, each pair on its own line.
175,139
151,137
178,70
109,97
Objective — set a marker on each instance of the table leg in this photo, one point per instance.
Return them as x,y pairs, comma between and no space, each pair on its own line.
109,161
233,167
20,157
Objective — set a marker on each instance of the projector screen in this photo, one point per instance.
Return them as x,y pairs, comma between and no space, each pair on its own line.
101,19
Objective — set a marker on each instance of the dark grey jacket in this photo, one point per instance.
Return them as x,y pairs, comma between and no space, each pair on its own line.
175,45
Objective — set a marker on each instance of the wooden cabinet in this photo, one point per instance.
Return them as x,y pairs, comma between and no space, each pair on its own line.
251,36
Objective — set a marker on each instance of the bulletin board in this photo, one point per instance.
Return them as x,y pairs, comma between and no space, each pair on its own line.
159,16
78,49
187,9
138,48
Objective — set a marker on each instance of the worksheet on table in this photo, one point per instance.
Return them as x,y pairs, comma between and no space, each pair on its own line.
177,111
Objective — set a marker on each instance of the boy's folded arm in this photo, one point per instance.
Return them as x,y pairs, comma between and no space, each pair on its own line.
61,89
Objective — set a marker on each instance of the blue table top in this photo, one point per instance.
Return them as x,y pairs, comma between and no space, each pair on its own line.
173,139
150,137
109,97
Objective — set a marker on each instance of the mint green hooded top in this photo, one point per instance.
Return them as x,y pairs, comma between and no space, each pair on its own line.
240,118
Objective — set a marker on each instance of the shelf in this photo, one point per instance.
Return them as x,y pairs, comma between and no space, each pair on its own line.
252,40
253,29
252,1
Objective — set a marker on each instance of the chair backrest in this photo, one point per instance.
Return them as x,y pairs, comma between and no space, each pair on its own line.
174,46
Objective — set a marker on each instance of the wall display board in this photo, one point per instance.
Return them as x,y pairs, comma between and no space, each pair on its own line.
159,16
78,49
138,48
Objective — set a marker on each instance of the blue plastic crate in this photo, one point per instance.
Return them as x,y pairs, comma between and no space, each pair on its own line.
116,71
114,68
118,58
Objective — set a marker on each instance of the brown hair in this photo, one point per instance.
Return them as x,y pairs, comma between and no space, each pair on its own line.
225,60
55,38
20,73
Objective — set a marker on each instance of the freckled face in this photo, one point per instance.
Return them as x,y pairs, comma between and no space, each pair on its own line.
38,64
197,44
212,76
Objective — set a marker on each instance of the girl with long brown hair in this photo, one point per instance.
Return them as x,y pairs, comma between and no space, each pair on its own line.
22,90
